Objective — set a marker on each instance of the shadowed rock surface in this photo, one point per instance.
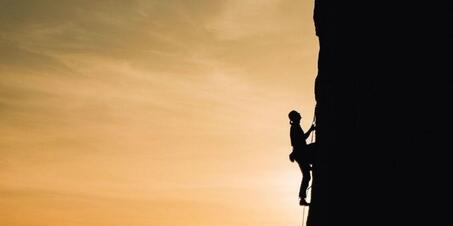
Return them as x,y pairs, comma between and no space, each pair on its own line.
381,111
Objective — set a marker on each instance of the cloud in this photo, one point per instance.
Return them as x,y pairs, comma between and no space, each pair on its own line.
13,57
242,19
99,27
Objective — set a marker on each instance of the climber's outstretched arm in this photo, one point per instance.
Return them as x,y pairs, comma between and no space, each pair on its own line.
307,134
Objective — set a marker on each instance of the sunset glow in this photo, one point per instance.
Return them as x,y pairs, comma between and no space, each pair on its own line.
165,113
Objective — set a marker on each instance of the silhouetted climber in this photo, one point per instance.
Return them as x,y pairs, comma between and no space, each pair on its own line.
299,153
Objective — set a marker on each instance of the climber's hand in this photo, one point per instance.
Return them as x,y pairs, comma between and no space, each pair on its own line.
313,127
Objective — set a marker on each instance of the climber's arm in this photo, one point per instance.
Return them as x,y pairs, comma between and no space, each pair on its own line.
307,134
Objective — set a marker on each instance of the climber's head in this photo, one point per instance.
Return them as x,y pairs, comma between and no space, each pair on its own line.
294,117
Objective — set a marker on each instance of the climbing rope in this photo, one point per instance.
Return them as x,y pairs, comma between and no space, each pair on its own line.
313,123
303,217
304,222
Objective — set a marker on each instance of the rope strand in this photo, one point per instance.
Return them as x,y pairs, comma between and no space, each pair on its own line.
313,123
303,216
304,223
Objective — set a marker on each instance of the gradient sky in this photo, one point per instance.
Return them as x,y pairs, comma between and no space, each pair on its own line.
165,113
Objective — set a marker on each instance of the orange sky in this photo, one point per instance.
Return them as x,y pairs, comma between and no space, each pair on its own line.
166,113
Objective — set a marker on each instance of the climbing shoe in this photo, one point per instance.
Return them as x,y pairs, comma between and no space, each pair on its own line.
302,202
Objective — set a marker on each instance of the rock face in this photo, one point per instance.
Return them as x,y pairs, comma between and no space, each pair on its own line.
379,109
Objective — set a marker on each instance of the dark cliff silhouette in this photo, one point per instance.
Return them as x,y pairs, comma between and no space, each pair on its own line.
382,106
